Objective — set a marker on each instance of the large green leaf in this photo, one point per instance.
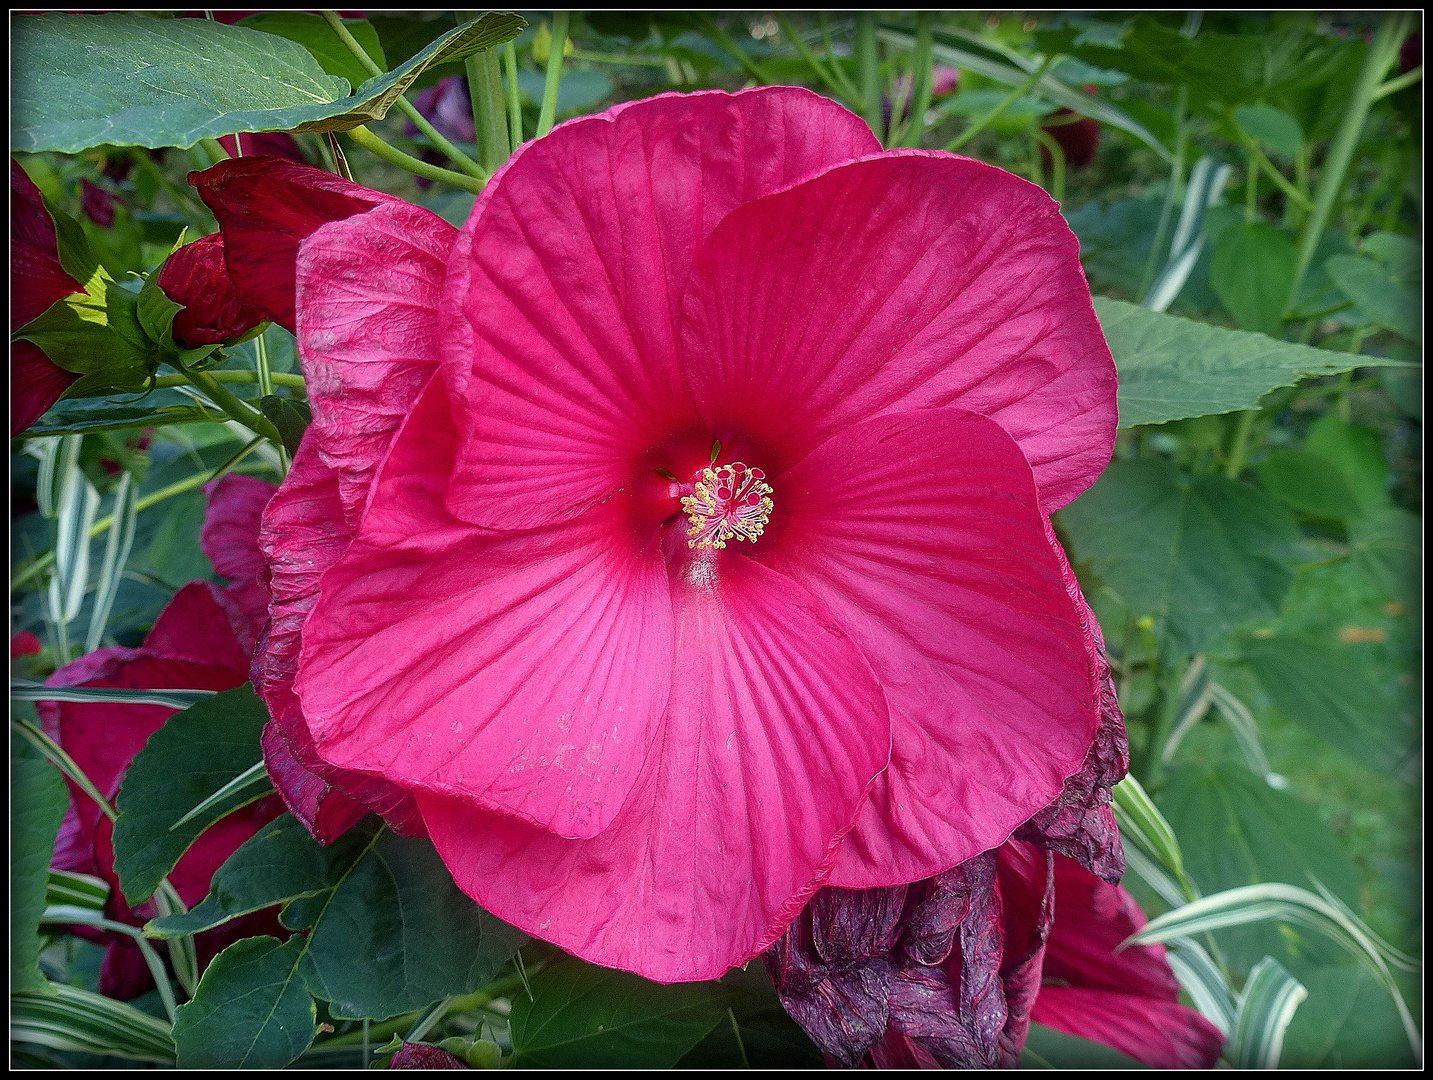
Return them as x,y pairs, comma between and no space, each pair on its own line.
1171,368
396,934
1252,270
1383,299
314,34
195,754
389,932
1348,1022
1046,1048
581,1016
38,801
1236,830
1198,554
757,1034
87,80
1356,454
250,1011
1328,691
1273,127
1304,481
76,421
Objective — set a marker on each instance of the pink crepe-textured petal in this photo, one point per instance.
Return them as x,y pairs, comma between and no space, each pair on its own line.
368,333
565,287
265,208
528,679
1158,1033
230,538
774,731
914,280
303,533
36,383
922,533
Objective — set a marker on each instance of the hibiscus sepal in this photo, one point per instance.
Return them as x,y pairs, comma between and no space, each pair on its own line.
95,334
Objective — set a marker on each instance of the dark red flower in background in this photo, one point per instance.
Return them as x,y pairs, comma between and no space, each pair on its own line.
37,280
98,203
274,144
1079,138
203,640
24,643
447,106
197,276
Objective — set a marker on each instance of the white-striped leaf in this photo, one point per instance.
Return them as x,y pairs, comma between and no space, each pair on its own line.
76,890
1267,1005
69,1018
1141,822
1203,981
174,699
116,554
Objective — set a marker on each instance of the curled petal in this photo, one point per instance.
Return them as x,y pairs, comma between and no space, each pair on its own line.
265,208
913,280
37,279
565,287
36,383
1161,1034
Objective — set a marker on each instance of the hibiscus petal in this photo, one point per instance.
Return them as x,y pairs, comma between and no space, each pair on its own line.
527,678
265,207
37,278
230,538
368,332
1092,919
567,281
912,280
775,728
1158,1033
203,625
36,383
922,533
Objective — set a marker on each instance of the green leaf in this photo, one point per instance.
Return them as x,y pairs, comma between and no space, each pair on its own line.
96,334
1327,691
1386,544
314,34
291,417
1273,127
396,934
1382,300
757,1032
1171,368
1198,554
192,756
1305,482
1142,824
1402,255
1235,830
1252,270
76,890
86,80
83,420
389,931
581,1016
156,311
1356,453
279,863
69,1018
1046,1048
1348,1022
38,801
250,1010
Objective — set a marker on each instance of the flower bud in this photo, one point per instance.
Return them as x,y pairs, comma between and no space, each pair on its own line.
196,277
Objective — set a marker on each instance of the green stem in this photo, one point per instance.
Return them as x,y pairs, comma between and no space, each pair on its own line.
1251,191
1392,86
1239,448
548,112
215,150
514,101
1057,164
868,72
261,366
1005,103
1151,770
237,410
378,148
1258,158
485,91
848,88
914,128
807,55
279,378
1376,61
725,43
467,164
1171,195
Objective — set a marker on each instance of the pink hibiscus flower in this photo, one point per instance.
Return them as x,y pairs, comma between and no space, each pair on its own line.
949,973
675,536
203,640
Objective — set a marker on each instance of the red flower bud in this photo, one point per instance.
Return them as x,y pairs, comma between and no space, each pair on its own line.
97,204
197,277
1077,138
24,643
422,1056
